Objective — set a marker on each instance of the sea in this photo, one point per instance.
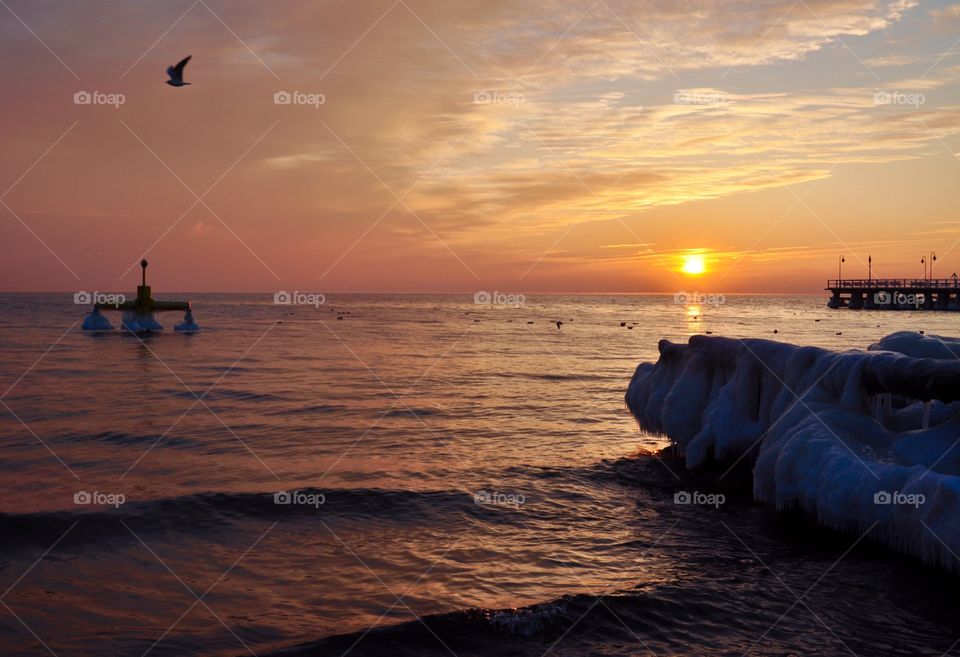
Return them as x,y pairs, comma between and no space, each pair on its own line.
414,475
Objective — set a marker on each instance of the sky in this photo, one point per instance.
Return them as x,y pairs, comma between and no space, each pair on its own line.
464,145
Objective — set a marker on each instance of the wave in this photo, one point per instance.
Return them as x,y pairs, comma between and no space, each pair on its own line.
540,376
220,392
210,511
309,409
665,620
124,438
866,441
481,631
414,412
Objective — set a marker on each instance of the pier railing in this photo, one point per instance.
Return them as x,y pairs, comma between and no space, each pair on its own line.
893,283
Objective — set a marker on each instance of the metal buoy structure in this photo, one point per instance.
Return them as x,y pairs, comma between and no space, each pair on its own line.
138,313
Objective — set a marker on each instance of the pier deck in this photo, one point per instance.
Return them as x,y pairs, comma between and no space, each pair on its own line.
895,293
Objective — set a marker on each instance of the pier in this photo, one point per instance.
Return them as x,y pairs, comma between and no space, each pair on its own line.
895,293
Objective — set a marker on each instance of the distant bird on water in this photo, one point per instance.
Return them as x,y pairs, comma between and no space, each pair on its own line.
559,324
176,73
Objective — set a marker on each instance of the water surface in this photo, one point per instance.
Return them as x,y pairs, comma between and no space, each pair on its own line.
484,490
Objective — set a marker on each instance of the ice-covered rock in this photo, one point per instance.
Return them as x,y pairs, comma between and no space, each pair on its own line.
911,343
866,440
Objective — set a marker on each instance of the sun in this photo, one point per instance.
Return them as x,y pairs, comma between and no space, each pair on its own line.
694,265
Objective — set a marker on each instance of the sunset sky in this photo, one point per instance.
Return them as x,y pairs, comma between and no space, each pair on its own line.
550,146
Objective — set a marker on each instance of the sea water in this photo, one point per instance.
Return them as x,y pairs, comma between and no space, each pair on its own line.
413,475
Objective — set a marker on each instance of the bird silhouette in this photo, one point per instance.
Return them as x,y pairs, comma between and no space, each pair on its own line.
176,73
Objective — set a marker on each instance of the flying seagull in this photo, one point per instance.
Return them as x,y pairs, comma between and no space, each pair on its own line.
176,73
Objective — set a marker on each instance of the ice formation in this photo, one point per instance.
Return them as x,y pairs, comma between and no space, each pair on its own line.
137,322
95,321
189,325
919,346
140,323
863,439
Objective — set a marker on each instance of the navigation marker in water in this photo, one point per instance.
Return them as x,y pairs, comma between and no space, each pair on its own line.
138,314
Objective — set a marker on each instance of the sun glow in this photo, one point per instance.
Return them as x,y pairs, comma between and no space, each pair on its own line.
694,265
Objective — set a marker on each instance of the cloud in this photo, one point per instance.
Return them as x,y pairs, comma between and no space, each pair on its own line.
600,136
200,229
946,15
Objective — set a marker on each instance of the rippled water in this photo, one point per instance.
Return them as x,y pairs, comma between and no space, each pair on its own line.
484,490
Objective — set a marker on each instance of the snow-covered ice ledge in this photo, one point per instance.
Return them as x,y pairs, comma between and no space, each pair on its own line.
858,437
